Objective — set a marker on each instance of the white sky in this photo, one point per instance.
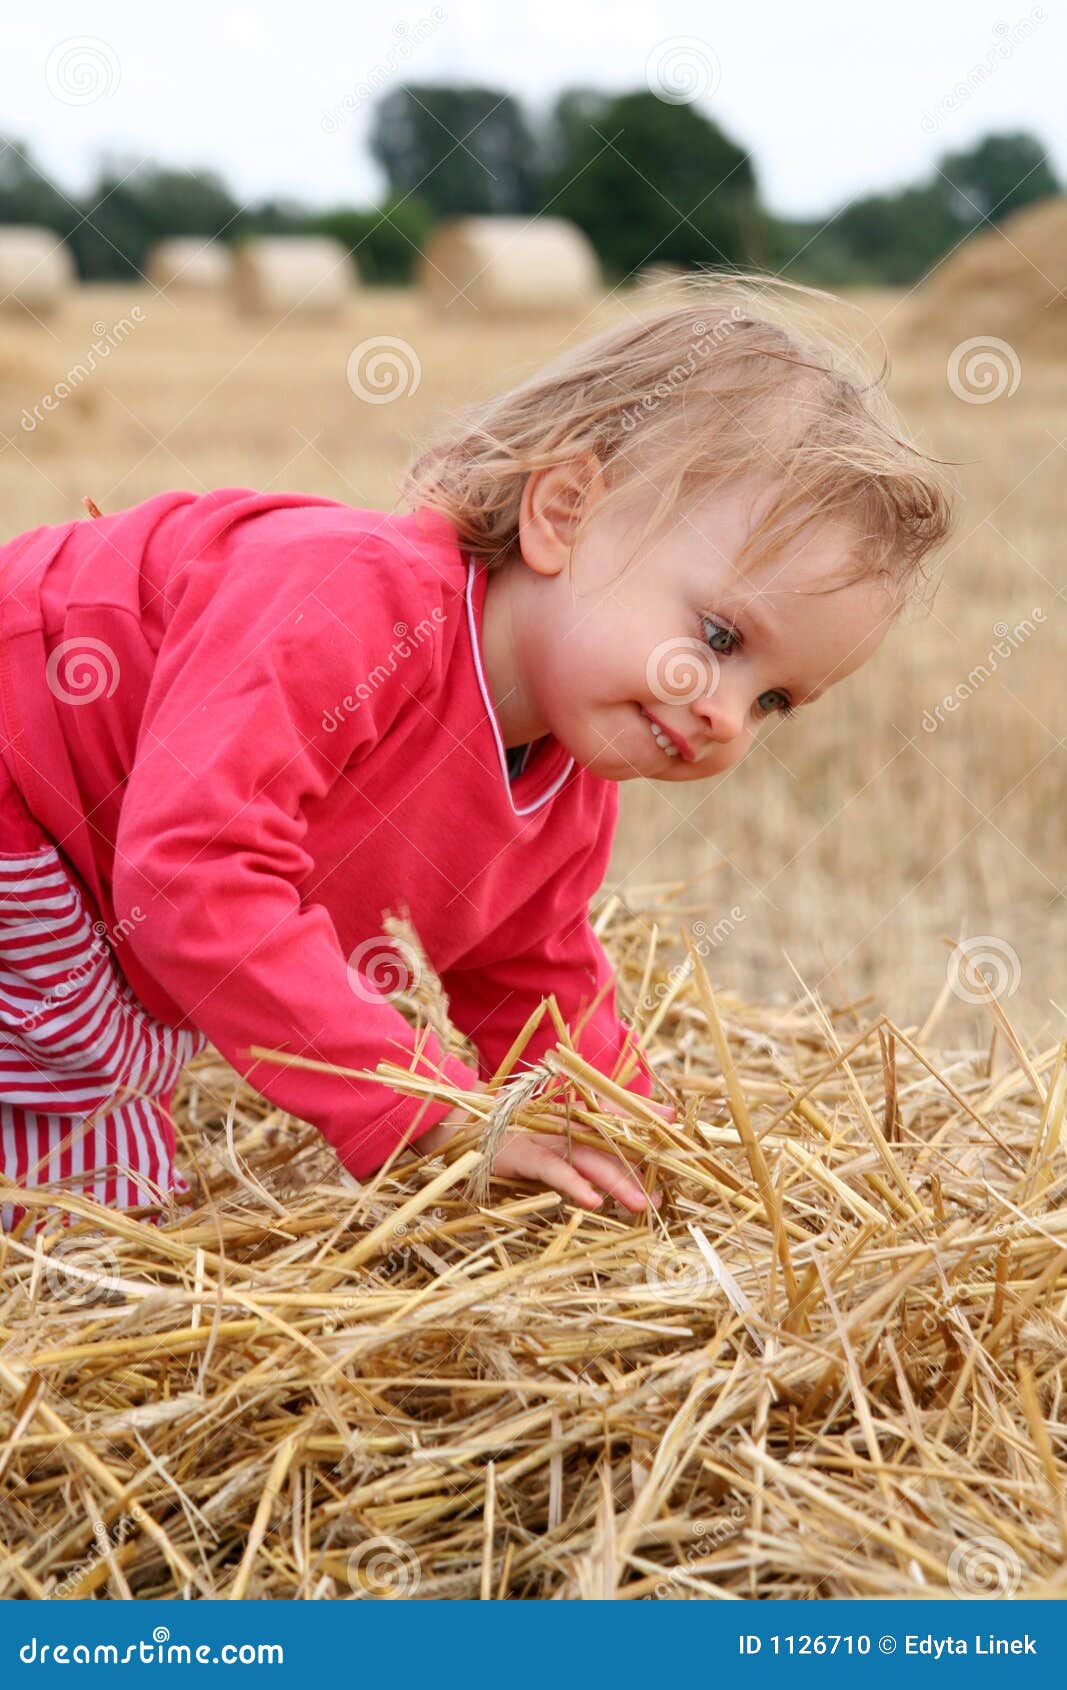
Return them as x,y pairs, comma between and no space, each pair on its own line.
831,102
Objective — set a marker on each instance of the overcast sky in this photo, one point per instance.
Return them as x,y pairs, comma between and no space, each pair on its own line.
830,101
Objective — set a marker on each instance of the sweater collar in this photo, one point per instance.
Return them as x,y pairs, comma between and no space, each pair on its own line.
549,763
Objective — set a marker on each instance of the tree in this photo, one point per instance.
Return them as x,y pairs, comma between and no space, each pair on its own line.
465,150
649,180
128,209
998,176
897,237
386,242
26,194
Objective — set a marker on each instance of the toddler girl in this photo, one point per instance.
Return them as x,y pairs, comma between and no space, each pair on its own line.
239,729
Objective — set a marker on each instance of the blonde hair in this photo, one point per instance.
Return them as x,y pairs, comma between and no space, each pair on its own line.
728,377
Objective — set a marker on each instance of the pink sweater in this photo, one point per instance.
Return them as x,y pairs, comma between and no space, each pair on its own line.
257,723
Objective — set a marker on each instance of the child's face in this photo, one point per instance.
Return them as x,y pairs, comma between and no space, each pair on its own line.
592,665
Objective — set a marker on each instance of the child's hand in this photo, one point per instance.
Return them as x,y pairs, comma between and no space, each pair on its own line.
586,1176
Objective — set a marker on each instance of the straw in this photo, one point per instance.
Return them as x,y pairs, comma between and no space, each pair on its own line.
830,1365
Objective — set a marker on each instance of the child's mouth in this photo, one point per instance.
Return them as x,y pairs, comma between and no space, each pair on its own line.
662,739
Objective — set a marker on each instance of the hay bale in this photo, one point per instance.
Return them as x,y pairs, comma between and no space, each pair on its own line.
508,267
191,264
851,1300
283,274
36,269
1006,282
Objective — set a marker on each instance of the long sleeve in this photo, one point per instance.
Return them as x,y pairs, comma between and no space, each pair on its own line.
553,950
240,728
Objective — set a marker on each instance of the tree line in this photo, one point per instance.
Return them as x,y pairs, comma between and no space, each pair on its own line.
648,180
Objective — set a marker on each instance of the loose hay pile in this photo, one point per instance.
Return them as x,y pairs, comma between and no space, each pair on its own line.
1009,282
832,1365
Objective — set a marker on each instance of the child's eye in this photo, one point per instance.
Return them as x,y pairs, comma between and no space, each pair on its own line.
731,633
783,709
715,629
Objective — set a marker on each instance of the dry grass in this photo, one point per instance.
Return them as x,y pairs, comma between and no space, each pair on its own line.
832,1366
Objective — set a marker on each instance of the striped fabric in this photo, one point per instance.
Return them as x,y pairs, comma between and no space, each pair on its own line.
85,1071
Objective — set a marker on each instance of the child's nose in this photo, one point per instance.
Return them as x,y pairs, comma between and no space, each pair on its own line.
721,715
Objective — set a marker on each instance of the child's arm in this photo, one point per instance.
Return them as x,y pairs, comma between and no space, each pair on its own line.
209,852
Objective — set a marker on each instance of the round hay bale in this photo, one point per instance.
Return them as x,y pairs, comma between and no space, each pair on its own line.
508,266
1006,282
279,274
36,268
190,264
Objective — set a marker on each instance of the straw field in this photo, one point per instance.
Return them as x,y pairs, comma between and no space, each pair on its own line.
833,1364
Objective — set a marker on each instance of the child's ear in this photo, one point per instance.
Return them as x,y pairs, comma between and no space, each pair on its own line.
550,508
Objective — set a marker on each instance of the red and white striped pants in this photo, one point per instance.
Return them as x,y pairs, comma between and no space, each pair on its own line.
85,1072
